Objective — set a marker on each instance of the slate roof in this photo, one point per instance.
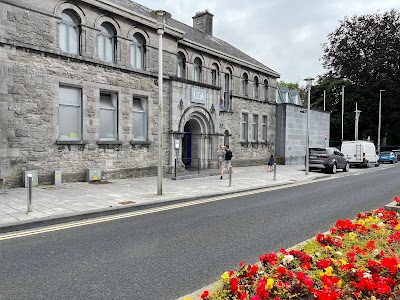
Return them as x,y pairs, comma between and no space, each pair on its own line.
198,36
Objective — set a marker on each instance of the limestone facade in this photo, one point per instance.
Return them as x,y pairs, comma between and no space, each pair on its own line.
203,107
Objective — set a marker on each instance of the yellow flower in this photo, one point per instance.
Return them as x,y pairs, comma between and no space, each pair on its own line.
397,227
340,282
189,298
373,298
352,236
225,277
328,248
328,271
270,284
320,273
343,262
361,222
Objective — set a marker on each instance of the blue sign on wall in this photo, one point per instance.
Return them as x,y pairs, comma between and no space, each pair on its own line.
199,95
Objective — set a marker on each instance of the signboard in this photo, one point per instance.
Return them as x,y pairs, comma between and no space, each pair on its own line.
198,95
326,135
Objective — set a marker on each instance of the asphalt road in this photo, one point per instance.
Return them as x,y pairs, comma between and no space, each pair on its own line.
168,254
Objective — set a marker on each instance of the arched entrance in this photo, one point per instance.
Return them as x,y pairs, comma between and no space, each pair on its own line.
198,138
191,142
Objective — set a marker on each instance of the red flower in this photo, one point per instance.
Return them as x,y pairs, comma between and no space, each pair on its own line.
306,266
234,285
281,270
271,258
260,290
241,263
329,281
204,295
253,270
243,296
326,294
382,288
322,264
256,297
396,199
390,263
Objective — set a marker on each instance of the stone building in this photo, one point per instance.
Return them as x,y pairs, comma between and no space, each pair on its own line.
79,90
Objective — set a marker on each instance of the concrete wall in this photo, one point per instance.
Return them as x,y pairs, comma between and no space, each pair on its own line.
292,129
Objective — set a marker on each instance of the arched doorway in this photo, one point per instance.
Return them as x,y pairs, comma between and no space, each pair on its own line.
191,143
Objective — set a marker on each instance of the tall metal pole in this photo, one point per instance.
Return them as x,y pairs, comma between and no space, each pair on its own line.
356,123
342,109
308,131
160,115
379,122
309,84
324,98
160,15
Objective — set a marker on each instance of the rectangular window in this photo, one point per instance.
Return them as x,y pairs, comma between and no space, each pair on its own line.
225,102
139,117
214,77
264,129
244,128
108,117
255,128
70,113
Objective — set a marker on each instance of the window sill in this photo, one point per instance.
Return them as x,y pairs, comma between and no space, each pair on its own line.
109,142
66,142
140,142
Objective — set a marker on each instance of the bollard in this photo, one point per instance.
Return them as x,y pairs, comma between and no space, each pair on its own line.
230,175
29,192
175,168
274,171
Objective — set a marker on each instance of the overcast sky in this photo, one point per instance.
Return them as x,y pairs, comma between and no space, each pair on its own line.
285,35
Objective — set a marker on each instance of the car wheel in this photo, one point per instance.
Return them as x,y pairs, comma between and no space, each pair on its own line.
333,169
377,164
346,167
392,161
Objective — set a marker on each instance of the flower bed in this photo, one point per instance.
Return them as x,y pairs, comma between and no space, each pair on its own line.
356,260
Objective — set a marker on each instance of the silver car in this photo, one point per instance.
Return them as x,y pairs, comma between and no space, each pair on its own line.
328,159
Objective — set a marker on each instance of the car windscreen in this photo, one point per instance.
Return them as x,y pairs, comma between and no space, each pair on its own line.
385,153
321,151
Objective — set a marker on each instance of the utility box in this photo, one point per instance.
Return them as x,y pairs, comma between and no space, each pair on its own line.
34,178
93,174
57,177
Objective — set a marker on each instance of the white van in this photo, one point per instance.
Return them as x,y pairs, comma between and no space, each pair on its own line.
360,153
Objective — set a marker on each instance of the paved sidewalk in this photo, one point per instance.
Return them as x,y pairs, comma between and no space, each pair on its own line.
81,200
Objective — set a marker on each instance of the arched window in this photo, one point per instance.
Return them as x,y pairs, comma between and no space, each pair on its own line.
69,32
107,42
215,75
245,84
225,104
256,87
197,70
266,90
138,51
181,67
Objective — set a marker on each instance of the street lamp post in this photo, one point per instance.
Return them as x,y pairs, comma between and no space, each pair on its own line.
356,123
342,110
379,122
160,16
308,81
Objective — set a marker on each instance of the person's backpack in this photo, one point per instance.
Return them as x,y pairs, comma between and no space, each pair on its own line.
228,154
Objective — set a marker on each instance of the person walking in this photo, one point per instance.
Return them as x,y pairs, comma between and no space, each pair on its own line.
226,163
271,162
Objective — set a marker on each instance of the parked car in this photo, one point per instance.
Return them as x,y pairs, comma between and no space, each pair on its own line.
328,159
387,156
360,153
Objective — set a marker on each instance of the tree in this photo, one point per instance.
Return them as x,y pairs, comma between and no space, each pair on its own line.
289,85
365,50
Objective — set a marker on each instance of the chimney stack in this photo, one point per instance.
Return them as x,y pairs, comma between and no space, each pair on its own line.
204,22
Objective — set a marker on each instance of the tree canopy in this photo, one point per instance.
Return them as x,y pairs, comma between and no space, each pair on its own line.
363,54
